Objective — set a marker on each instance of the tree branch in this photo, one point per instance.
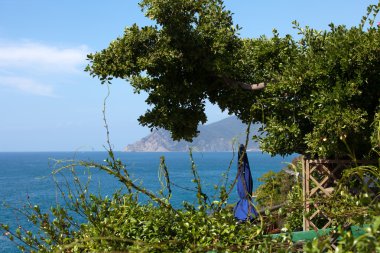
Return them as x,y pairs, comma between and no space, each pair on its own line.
245,86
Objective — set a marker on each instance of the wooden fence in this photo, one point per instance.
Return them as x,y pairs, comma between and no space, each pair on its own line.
319,180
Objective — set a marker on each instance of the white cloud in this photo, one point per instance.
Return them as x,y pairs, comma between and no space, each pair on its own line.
29,67
27,85
42,58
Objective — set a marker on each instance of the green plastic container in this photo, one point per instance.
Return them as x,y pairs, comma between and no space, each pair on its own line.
310,235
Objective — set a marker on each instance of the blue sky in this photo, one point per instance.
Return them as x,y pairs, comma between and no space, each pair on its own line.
47,102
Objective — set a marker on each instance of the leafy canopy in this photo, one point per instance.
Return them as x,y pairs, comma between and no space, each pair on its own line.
176,62
322,90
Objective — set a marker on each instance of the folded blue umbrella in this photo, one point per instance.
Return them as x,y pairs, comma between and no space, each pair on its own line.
244,209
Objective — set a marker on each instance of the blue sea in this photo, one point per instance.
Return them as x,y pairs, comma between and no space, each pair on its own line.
27,177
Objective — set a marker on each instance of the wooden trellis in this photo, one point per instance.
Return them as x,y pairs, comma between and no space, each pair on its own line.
319,180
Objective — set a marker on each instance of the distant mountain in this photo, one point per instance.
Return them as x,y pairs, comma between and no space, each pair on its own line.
215,137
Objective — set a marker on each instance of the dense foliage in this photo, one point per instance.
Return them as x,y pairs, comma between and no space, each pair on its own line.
283,190
275,188
177,62
94,223
321,92
326,95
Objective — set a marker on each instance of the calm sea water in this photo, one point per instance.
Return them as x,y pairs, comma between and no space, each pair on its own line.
27,177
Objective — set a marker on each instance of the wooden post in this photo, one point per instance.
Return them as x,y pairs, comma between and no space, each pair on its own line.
305,187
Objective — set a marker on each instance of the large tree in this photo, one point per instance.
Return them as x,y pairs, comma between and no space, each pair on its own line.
321,91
